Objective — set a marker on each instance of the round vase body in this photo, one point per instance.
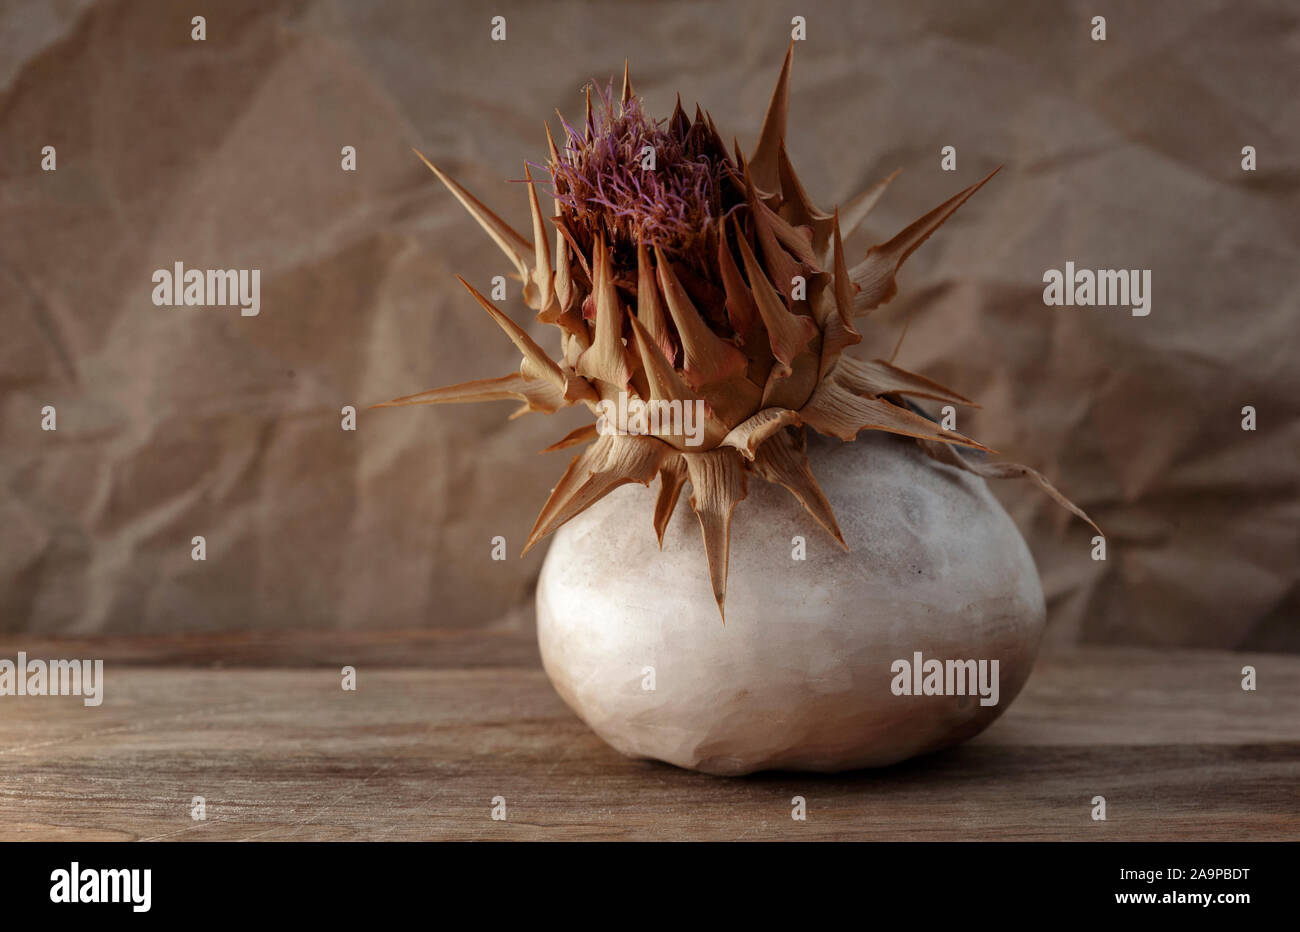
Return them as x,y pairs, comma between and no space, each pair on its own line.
805,673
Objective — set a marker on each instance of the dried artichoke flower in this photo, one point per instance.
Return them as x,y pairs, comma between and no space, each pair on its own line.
705,279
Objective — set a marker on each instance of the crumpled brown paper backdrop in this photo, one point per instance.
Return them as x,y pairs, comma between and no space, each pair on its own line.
174,422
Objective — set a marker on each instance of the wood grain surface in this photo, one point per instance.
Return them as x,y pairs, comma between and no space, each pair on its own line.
442,722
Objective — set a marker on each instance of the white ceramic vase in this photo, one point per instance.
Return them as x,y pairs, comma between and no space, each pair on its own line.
804,674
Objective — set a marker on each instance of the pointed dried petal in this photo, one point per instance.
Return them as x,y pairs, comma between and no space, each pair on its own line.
856,210
584,434
795,246
511,243
665,385
536,395
878,377
536,363
796,206
537,290
678,124
575,344
607,358
550,145
838,332
837,412
713,130
574,248
820,300
836,337
875,274
576,388
672,476
843,283
773,229
781,266
741,310
793,390
717,484
662,379
746,436
782,460
732,401
561,310
649,307
613,460
763,163
708,358
946,454
788,333
543,365
500,389
628,93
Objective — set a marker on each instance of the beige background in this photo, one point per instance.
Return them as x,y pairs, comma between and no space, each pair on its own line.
225,154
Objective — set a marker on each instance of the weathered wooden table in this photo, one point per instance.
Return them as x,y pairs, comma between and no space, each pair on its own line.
441,723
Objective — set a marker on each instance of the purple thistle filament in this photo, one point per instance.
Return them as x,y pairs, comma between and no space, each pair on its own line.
602,185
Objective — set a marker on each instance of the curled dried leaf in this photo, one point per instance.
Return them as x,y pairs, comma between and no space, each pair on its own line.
613,460
946,454
877,377
747,436
838,412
